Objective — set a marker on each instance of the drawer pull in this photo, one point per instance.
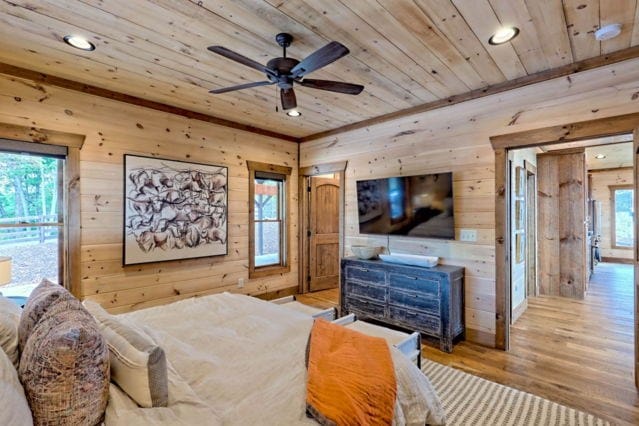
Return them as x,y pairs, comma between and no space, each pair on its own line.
412,278
364,270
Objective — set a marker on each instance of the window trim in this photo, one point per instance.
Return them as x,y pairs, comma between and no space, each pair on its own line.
71,181
613,225
285,235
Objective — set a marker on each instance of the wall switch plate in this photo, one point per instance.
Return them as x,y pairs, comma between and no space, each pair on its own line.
240,283
468,235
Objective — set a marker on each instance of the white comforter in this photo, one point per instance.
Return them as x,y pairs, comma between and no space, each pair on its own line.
237,360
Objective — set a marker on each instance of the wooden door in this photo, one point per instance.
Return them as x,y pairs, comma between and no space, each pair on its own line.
323,233
561,218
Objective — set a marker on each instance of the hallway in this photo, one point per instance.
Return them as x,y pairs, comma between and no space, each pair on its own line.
577,353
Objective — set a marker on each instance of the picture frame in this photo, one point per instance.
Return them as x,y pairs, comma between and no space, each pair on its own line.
173,210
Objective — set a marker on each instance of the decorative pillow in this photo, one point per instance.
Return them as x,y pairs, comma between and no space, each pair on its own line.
9,320
42,298
64,367
14,409
138,365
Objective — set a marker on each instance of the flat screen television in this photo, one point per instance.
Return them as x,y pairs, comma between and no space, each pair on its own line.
417,206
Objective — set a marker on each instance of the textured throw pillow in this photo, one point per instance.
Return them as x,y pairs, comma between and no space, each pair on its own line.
64,367
14,409
138,365
9,320
42,298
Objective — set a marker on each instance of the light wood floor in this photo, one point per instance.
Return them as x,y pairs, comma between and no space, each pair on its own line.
577,353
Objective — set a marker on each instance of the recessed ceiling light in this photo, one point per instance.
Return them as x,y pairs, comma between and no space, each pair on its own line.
293,113
503,35
600,156
79,42
607,32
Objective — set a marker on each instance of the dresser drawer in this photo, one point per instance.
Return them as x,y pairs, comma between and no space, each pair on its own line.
366,307
365,274
359,289
420,321
419,301
414,283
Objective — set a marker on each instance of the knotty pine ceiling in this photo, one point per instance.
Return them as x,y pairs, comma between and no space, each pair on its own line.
406,52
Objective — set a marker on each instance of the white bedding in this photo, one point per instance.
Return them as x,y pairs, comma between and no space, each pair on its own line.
238,361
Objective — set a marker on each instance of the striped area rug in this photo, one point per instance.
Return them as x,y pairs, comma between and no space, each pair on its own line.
471,400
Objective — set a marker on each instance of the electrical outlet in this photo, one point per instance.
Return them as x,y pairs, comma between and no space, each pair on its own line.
468,235
240,283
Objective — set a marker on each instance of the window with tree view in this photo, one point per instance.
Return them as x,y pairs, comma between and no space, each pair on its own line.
31,220
268,221
623,217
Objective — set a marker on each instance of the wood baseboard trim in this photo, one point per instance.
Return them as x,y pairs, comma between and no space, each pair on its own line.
283,292
615,260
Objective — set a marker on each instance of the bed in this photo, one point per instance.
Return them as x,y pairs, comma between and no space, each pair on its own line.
234,359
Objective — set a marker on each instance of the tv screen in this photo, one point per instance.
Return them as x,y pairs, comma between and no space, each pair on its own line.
417,206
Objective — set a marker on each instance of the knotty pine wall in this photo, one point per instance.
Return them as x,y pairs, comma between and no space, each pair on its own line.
601,182
456,139
113,129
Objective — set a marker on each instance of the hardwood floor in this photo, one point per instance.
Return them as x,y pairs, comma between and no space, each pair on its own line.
577,353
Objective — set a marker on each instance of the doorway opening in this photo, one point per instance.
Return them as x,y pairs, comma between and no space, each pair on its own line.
321,224
583,303
32,224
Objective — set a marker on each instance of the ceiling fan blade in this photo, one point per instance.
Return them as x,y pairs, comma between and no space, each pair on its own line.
288,99
241,86
241,59
320,58
333,86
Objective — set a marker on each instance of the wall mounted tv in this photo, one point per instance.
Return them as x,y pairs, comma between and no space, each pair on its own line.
417,206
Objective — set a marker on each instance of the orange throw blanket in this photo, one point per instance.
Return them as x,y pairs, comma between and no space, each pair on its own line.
351,379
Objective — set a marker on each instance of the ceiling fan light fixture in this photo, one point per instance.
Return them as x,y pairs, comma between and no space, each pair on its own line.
293,113
503,35
79,42
600,156
607,32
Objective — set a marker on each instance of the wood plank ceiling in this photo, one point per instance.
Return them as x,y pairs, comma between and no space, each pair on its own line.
406,52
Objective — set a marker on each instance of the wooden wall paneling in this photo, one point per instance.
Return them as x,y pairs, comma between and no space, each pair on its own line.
635,29
483,21
620,12
110,127
582,19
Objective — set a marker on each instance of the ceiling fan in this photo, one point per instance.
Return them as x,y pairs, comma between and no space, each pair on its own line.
285,72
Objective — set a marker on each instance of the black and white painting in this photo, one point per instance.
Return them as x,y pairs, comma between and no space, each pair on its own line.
173,210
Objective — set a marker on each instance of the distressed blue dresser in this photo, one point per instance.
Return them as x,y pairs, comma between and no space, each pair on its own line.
428,300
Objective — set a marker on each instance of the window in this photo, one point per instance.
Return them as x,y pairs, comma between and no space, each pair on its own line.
31,216
268,219
622,217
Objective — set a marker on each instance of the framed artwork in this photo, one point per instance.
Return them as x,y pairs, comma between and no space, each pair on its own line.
173,210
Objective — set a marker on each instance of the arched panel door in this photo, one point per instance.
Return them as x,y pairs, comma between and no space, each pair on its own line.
324,234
